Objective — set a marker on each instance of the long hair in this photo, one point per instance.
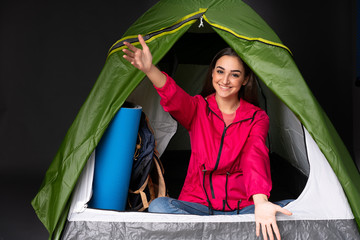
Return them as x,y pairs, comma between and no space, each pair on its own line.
247,92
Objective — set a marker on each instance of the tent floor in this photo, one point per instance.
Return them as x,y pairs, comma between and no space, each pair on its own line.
301,229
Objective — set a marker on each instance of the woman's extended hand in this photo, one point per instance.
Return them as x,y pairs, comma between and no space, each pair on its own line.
141,59
265,219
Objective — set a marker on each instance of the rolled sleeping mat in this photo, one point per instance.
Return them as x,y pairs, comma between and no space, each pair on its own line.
113,160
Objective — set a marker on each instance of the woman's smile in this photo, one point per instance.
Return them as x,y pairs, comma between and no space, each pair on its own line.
224,87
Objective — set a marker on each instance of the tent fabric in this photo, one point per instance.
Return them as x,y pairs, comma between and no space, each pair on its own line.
286,134
162,26
163,125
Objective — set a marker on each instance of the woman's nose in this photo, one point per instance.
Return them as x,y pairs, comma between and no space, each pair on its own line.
226,79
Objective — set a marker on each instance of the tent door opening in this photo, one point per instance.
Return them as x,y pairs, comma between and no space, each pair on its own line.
187,62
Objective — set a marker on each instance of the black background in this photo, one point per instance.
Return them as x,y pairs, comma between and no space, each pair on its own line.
52,52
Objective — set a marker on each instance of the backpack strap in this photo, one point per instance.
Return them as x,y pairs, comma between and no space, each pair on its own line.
161,188
156,190
142,194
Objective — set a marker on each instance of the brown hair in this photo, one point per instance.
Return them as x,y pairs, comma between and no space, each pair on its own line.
247,92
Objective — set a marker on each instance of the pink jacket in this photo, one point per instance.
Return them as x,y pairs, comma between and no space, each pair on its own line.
228,164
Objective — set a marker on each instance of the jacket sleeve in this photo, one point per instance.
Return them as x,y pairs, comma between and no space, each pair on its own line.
177,102
255,161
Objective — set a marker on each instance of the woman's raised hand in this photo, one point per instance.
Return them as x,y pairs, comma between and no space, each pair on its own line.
141,59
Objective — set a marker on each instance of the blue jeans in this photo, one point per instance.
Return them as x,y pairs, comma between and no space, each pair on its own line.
174,206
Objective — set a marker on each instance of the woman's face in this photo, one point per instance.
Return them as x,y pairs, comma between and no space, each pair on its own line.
228,77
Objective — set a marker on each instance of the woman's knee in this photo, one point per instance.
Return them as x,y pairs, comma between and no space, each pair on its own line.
160,205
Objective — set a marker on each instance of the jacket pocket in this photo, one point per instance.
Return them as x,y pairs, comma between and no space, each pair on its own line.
234,190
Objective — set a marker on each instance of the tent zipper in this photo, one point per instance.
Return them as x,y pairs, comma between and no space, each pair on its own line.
201,22
148,36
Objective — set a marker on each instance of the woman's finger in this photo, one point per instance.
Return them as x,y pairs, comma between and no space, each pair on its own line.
142,42
257,229
130,46
284,211
130,60
129,53
276,231
270,232
263,229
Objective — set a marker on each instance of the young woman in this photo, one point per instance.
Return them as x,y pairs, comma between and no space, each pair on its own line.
229,169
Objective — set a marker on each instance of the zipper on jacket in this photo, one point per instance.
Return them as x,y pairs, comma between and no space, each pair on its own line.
220,150
217,161
207,197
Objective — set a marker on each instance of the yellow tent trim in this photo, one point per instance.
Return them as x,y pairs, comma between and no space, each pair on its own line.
244,37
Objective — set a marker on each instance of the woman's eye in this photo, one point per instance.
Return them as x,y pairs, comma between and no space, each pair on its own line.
219,71
236,75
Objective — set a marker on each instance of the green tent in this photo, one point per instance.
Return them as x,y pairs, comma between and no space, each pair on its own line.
179,23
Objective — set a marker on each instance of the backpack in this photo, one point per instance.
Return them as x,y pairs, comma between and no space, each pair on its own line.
147,180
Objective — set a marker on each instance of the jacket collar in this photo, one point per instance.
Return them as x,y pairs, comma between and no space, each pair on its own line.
245,111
